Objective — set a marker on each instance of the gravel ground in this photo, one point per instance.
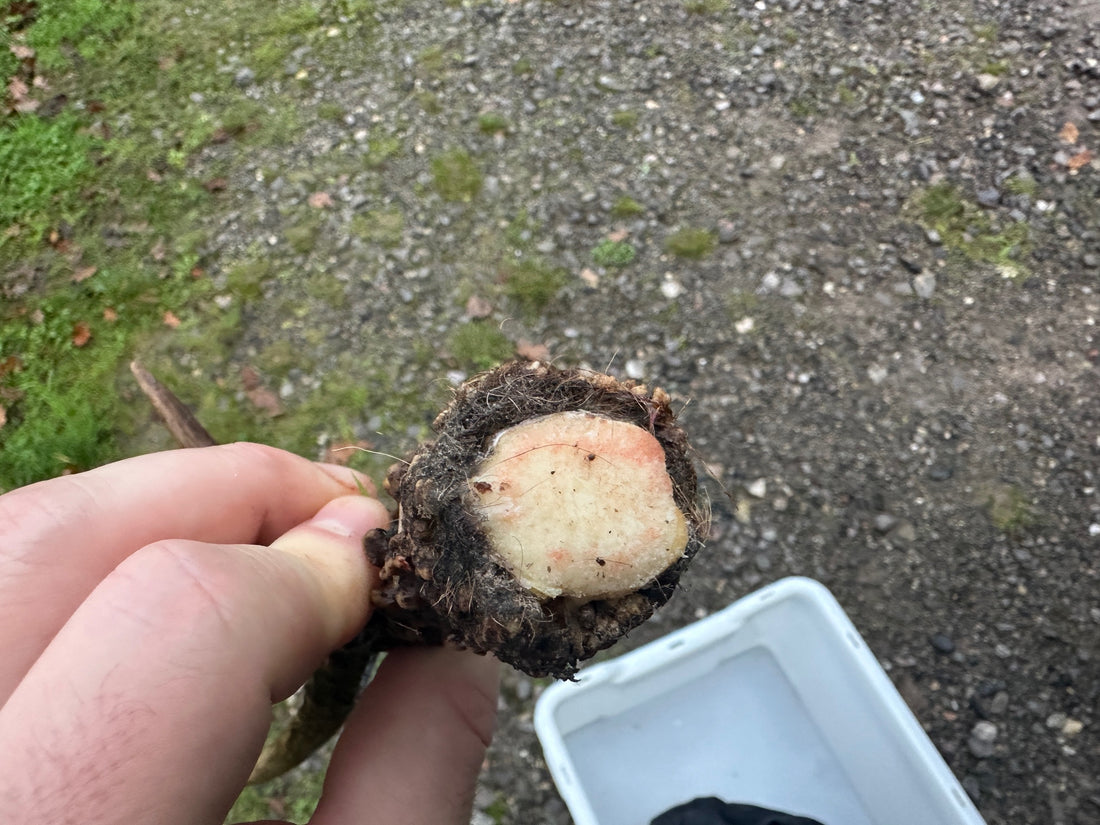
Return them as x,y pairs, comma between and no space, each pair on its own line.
897,395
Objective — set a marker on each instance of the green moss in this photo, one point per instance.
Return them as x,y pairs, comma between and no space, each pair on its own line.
968,230
385,227
431,63
691,243
533,284
332,111
429,101
1009,508
498,809
997,68
1023,184
802,107
986,32
380,149
279,356
626,207
705,6
741,303
523,66
267,58
324,287
492,123
625,118
520,230
846,94
303,237
614,253
479,345
245,280
456,176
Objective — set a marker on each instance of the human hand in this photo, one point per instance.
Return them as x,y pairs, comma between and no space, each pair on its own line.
152,610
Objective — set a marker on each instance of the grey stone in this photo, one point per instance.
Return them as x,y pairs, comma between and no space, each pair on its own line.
942,643
982,739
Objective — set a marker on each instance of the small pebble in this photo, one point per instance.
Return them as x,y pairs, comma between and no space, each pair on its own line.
523,689
989,197
982,737
884,522
942,643
988,82
972,787
671,289
924,285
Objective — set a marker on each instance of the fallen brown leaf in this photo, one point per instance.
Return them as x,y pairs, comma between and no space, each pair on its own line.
478,307
159,250
83,274
3,416
277,806
1069,132
531,351
170,318
153,175
590,277
215,185
320,200
13,363
17,89
1082,158
265,400
109,314
618,236
22,52
82,333
250,378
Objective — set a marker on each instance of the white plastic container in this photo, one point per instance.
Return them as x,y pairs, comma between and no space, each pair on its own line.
775,701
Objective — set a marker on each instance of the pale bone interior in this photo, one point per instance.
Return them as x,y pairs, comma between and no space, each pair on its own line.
579,505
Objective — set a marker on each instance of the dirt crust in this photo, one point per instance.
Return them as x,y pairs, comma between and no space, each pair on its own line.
440,580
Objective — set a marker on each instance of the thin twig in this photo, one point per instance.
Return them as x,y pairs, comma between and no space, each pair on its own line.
181,422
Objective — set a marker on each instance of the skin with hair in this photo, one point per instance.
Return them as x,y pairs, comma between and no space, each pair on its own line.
124,614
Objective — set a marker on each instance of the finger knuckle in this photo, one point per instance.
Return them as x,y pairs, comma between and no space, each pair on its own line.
179,582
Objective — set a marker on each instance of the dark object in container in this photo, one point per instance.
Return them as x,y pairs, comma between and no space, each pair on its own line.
711,810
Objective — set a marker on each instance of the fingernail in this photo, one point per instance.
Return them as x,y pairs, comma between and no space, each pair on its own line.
351,516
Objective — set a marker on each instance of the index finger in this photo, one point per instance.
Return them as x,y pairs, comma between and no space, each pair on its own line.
60,538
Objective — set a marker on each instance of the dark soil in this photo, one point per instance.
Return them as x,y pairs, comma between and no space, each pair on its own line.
882,330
